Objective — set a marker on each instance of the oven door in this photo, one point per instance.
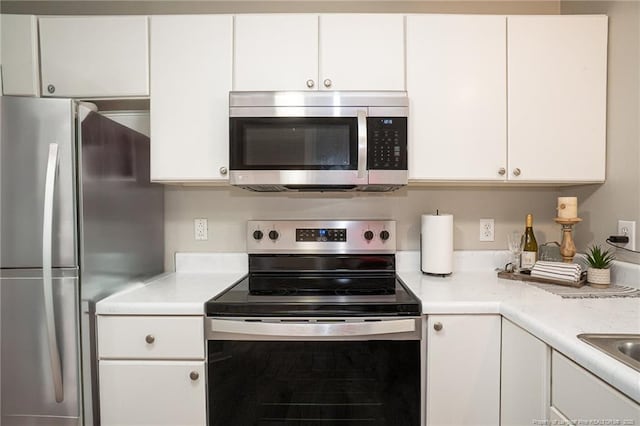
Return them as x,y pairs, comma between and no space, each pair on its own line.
315,371
298,146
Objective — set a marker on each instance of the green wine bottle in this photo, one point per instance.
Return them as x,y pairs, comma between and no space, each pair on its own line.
530,249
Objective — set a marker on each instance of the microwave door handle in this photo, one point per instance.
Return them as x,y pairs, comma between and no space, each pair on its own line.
47,281
362,144
314,329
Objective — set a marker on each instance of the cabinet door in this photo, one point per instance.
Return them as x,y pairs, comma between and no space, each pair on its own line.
557,73
276,52
463,370
456,79
20,69
595,400
152,393
94,56
362,52
190,83
525,381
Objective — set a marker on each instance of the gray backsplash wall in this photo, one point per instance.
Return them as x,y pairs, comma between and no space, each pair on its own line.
228,209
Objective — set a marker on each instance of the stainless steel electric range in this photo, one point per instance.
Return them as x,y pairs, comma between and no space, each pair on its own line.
321,330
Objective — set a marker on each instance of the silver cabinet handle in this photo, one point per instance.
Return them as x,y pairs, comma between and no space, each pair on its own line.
150,338
516,172
313,329
47,281
223,170
194,375
502,171
327,82
362,144
310,83
51,88
437,326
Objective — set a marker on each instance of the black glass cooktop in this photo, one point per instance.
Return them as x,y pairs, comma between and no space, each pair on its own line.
338,295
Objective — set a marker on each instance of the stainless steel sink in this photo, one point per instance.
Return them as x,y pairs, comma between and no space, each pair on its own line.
623,347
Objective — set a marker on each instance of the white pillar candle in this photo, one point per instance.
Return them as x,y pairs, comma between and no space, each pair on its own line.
567,207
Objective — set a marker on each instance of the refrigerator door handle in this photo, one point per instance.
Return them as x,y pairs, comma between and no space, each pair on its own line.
47,281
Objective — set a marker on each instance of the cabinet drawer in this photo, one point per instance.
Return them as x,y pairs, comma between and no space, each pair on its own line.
122,337
582,397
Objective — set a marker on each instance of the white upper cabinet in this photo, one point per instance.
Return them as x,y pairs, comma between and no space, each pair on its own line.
191,63
94,56
362,52
456,79
557,74
330,52
20,69
276,52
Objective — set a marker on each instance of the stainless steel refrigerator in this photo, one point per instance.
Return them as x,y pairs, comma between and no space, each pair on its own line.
79,220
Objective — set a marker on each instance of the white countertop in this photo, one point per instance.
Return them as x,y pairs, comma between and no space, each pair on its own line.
472,289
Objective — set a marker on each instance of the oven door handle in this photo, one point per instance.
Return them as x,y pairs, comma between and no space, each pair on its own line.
313,329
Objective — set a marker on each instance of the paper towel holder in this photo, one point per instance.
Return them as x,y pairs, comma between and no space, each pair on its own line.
436,244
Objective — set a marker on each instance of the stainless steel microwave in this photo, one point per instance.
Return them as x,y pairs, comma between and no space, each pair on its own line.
318,141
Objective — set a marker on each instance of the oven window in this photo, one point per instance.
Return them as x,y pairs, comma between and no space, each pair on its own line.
295,143
314,383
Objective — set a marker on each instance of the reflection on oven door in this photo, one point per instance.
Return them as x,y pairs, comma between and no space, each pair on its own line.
314,383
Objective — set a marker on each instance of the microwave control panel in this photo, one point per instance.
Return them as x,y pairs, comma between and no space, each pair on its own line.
387,143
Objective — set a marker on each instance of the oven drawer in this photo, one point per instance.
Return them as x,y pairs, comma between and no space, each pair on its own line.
145,337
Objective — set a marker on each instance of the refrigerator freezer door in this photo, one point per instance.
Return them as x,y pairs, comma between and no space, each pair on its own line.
28,391
29,126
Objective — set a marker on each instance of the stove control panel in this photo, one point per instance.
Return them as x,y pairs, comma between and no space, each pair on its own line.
321,234
343,236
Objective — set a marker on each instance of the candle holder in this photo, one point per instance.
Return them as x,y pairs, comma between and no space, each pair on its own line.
567,247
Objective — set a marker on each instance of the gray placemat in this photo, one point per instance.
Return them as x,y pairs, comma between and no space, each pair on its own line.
588,292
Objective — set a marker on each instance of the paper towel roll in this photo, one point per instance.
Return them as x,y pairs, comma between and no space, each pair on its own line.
436,243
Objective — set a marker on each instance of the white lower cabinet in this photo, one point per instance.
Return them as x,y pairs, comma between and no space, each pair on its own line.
152,393
525,377
463,370
152,370
585,399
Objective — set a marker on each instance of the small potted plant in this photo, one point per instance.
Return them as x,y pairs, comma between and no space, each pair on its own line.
599,266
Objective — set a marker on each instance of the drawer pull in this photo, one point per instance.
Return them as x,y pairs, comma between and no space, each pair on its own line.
150,339
437,326
194,375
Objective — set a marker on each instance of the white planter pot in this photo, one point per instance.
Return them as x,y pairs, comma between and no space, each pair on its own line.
599,278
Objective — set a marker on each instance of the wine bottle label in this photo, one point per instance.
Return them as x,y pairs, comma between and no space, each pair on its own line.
528,259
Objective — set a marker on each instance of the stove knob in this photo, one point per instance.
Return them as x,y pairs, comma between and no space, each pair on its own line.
368,235
384,235
274,235
257,235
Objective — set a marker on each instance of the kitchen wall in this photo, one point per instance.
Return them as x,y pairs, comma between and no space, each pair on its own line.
228,209
619,198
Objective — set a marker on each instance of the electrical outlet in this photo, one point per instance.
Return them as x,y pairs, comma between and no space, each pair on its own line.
201,233
487,230
628,228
